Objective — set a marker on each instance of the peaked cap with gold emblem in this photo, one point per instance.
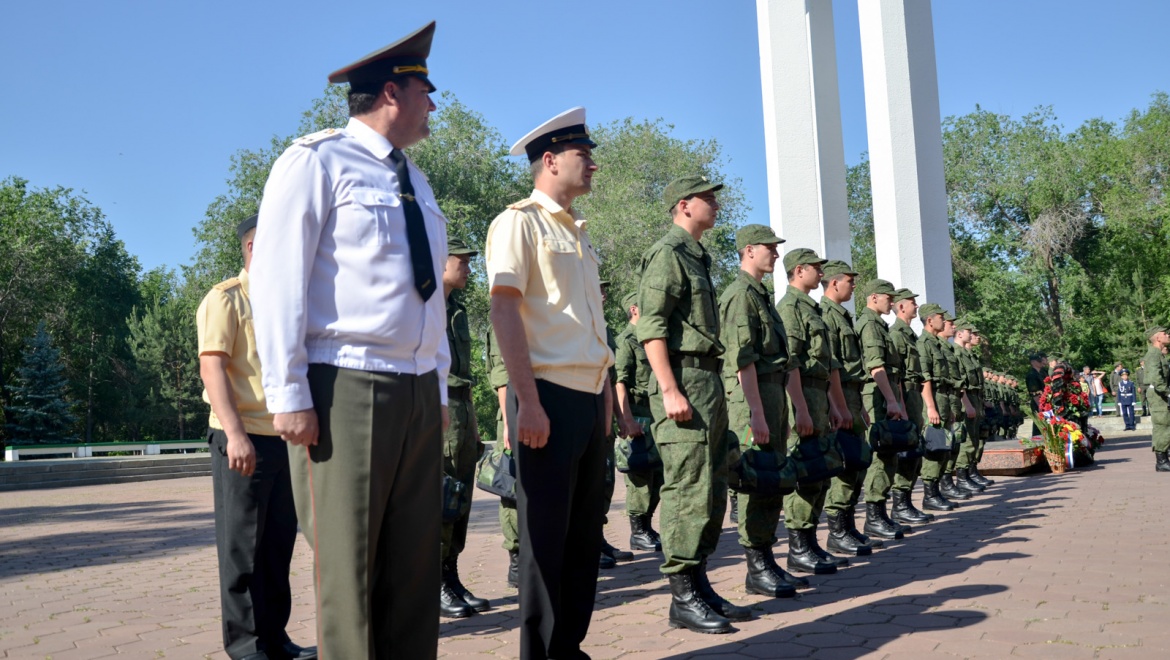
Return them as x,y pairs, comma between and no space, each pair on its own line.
407,56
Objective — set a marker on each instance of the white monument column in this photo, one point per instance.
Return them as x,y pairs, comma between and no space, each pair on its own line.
802,127
905,148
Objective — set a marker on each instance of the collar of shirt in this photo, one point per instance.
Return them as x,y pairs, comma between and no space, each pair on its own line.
557,211
752,283
802,297
372,140
688,242
244,281
827,304
904,327
871,315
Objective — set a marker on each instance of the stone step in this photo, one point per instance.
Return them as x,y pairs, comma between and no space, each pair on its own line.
60,473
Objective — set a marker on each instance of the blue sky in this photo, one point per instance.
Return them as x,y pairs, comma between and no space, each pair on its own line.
140,104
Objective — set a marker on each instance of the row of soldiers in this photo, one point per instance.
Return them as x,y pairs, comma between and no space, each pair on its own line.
704,375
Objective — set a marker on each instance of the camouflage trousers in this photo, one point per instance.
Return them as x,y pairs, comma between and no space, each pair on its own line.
802,508
694,459
845,488
967,450
907,469
760,514
932,468
460,454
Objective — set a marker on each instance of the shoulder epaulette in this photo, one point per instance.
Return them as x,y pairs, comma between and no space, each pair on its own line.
523,204
228,284
314,138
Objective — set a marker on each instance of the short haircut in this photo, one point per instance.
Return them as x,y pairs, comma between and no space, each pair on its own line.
825,282
248,236
362,97
537,166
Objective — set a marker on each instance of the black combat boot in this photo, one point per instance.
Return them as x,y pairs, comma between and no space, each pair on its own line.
932,500
451,577
841,541
862,539
794,580
451,605
801,557
904,511
761,579
513,569
613,553
1163,464
714,600
814,544
878,524
688,610
642,537
979,478
950,491
963,481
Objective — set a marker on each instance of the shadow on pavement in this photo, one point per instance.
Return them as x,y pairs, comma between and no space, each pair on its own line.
151,529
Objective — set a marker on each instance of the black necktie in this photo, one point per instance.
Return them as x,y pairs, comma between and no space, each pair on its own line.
416,230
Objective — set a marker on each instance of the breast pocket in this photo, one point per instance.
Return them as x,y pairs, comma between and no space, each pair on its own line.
703,314
373,217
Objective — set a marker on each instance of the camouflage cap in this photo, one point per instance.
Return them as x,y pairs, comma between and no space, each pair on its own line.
930,309
963,324
1150,332
631,300
755,235
456,247
948,316
837,267
801,256
877,285
904,294
684,187
605,283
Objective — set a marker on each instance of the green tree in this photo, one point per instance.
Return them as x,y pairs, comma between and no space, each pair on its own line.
40,411
164,344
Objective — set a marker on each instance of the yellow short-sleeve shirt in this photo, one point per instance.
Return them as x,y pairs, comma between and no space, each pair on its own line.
224,321
543,251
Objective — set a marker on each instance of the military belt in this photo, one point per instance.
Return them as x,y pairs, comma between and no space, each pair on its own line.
712,364
462,392
815,381
774,377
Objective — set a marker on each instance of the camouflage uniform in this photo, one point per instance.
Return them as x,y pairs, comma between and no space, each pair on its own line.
972,373
959,384
878,351
678,305
497,378
906,344
633,371
810,351
845,488
935,369
1156,384
753,334
461,446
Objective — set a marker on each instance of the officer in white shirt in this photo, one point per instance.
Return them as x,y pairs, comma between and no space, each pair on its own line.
351,336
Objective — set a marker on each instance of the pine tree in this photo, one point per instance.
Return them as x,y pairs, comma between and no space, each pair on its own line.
40,409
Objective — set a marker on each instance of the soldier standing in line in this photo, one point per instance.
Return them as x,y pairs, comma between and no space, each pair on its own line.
973,373
961,409
845,387
882,395
679,329
754,372
908,467
255,518
610,555
1156,382
812,413
509,522
632,387
938,409
461,443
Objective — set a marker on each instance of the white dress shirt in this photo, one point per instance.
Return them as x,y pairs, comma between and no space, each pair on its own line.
332,281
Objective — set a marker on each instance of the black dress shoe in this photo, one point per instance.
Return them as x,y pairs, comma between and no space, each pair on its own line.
291,651
605,562
259,655
613,553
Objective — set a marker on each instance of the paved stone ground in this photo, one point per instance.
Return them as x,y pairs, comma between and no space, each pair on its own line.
1044,566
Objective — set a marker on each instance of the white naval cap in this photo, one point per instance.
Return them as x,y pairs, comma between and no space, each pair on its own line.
566,128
